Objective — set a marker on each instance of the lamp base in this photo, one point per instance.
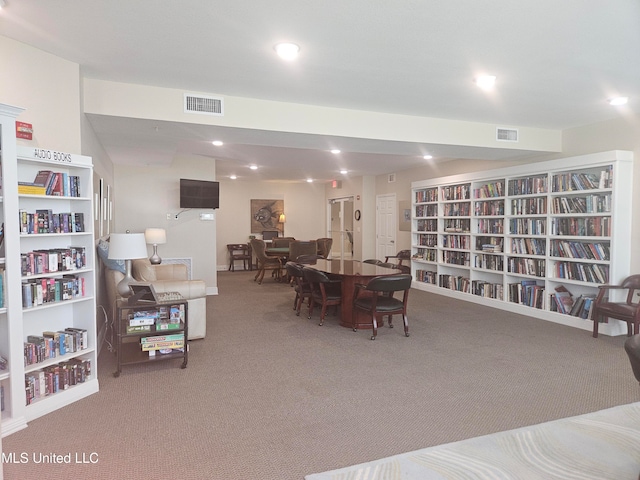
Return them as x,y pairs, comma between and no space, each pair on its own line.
155,258
123,285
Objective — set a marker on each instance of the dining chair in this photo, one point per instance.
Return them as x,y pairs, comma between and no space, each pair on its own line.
240,251
265,262
324,246
324,291
300,285
632,347
379,299
625,309
400,256
300,247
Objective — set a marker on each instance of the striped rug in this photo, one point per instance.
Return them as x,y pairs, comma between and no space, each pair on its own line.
602,445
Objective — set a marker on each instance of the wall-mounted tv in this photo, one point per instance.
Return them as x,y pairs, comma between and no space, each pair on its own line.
199,194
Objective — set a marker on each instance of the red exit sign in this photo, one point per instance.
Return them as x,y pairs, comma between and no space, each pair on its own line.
24,130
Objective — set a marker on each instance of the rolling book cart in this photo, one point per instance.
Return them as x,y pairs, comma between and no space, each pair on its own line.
151,331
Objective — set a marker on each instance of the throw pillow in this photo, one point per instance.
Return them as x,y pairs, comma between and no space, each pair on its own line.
110,263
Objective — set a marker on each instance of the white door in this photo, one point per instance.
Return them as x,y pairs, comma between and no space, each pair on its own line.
386,220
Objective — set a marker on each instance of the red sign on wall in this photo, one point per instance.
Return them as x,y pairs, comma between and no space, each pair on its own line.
24,130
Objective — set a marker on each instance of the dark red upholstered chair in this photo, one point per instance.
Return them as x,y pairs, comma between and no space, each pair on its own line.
379,300
632,347
624,309
401,256
324,291
301,286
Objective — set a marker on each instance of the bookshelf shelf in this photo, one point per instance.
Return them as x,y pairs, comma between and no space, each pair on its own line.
20,327
532,230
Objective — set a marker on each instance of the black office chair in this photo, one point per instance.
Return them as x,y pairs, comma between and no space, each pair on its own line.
381,301
301,286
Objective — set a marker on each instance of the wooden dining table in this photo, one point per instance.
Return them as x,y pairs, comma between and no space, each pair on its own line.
352,272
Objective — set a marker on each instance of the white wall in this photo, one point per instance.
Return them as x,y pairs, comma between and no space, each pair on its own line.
146,194
48,88
304,206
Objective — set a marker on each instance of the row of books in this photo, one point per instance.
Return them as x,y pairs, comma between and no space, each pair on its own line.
528,185
487,289
48,182
456,192
585,272
489,262
39,348
456,258
493,189
528,246
427,225
526,266
48,290
457,209
489,208
456,241
426,276
562,301
566,182
587,204
590,227
529,206
454,282
430,255
490,226
45,221
2,282
426,210
586,250
429,240
428,195
51,380
527,292
1,398
527,226
53,260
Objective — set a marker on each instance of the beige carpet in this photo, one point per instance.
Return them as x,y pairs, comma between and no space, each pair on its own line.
603,445
268,395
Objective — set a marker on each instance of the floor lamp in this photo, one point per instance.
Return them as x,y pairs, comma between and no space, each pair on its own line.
127,247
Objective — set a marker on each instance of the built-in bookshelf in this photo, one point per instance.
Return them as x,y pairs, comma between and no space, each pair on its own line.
48,329
535,239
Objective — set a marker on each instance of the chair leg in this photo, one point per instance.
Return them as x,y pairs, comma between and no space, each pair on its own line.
261,273
374,323
323,312
295,301
406,324
311,304
596,322
390,321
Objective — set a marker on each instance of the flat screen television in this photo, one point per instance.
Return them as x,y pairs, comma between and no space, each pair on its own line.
199,194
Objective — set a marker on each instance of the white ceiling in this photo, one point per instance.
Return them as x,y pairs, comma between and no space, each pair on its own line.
557,63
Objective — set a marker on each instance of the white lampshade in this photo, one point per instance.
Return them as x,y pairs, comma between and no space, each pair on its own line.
155,236
127,246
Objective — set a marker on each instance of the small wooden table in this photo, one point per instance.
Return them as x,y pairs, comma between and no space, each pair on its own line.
352,272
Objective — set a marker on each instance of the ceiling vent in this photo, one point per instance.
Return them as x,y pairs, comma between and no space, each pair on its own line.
203,105
391,178
506,134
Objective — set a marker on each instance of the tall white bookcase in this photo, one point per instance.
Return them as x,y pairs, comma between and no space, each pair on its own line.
71,299
513,238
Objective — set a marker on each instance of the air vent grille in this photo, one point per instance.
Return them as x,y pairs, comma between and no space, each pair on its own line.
203,105
507,134
391,178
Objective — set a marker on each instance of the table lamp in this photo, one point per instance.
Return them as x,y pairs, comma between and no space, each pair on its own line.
127,246
155,237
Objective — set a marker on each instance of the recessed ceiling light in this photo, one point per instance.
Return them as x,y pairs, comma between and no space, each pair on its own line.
344,172
427,157
335,151
217,143
618,101
287,51
232,177
309,180
253,167
485,82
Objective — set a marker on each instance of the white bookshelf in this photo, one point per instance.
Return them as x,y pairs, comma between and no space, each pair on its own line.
78,310
487,237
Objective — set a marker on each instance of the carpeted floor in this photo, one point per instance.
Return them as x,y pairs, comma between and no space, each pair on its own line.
603,445
268,395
